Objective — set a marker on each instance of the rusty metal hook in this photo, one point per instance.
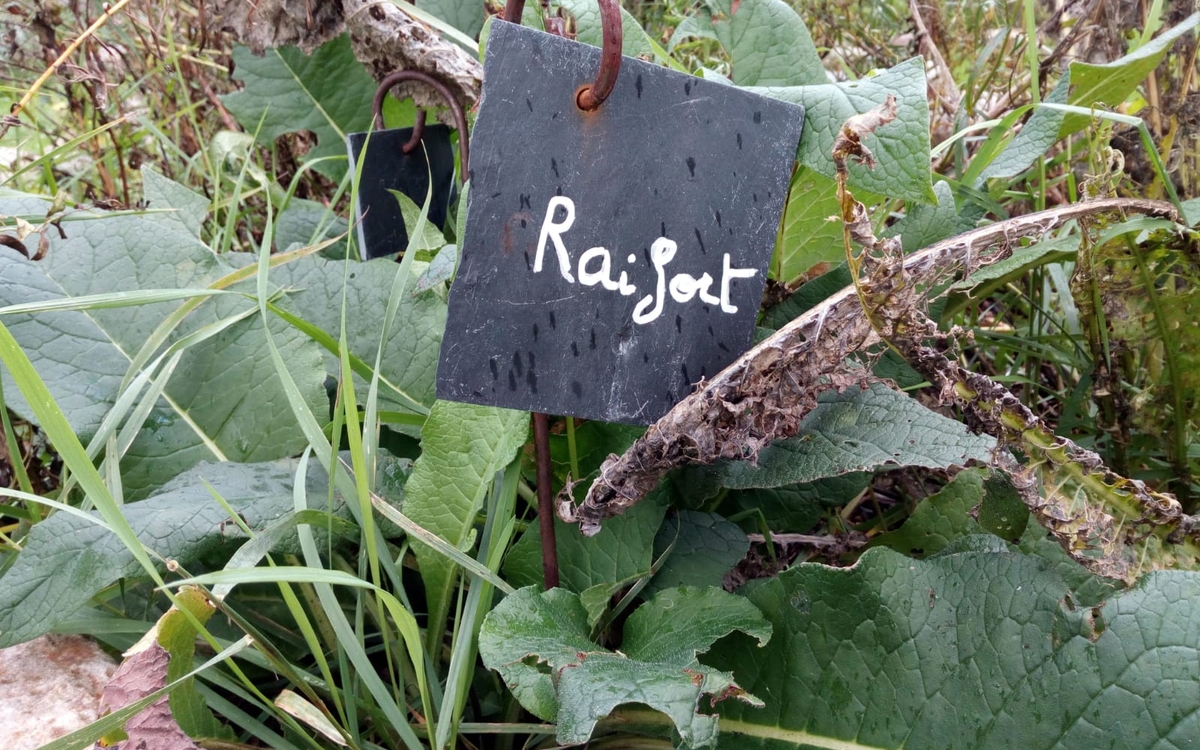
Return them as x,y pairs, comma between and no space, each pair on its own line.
460,118
591,96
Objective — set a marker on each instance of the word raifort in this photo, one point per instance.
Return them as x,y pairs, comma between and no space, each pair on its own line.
595,267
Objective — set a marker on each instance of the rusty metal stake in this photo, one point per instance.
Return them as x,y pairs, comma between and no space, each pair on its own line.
589,98
541,434
545,496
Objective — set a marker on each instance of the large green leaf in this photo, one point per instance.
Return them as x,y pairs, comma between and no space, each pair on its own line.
223,401
940,518
811,232
703,548
971,650
1035,138
462,448
285,91
1108,84
1087,589
624,549
1085,85
67,559
188,208
304,222
926,223
538,641
901,147
767,42
409,365
858,430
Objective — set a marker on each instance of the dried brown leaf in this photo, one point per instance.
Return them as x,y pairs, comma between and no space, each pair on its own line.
765,394
1106,531
154,728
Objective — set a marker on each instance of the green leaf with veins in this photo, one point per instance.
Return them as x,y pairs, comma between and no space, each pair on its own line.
1087,588
409,365
223,401
975,650
67,559
706,547
811,232
188,208
462,448
1035,137
285,91
538,642
1110,84
623,550
927,223
940,518
859,430
901,147
767,42
298,224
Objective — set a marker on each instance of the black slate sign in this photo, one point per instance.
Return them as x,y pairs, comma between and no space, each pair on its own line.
611,259
381,229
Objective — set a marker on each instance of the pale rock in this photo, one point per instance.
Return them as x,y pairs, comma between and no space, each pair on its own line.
50,687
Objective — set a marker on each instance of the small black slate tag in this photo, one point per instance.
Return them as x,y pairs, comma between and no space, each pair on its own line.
611,259
381,229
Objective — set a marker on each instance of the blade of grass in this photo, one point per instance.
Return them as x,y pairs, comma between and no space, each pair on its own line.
55,424
15,459
360,368
497,533
347,640
110,300
164,329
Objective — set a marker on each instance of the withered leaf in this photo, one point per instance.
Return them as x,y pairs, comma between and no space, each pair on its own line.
154,728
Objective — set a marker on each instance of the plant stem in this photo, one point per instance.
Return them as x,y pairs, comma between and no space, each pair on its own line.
571,450
1031,50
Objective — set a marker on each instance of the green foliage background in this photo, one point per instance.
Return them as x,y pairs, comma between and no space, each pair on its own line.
262,424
